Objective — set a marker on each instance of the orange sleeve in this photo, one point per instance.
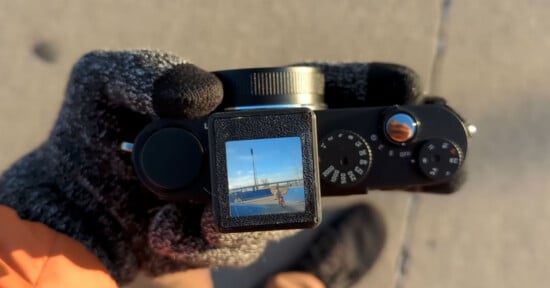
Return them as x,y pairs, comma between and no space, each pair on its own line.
33,255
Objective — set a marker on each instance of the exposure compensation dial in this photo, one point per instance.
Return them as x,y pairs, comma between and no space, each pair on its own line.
439,159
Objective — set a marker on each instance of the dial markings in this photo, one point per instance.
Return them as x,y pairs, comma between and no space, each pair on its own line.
346,157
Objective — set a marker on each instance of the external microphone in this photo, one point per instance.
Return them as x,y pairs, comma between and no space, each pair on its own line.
186,91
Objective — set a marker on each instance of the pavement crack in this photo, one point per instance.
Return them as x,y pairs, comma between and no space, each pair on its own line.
405,255
441,45
403,261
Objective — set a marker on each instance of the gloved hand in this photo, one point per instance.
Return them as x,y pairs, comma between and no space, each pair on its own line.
79,183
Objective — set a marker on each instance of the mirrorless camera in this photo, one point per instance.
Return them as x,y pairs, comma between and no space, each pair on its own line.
272,149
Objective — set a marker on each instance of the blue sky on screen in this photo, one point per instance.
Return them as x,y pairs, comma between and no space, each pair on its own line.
276,159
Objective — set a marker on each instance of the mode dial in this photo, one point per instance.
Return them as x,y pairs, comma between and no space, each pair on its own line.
344,157
439,159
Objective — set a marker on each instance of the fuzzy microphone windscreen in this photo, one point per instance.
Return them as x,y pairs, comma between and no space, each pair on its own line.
368,84
186,91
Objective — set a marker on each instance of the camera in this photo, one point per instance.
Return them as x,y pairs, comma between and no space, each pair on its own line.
270,151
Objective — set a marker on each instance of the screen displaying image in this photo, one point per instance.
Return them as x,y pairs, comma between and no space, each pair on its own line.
265,176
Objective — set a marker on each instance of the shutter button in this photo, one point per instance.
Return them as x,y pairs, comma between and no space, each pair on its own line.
400,128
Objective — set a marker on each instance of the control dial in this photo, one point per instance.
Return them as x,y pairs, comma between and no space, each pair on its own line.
345,157
439,159
168,160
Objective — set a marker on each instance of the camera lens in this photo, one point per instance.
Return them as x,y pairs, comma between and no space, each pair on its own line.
278,87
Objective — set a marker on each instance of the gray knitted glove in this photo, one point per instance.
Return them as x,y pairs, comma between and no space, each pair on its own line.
80,184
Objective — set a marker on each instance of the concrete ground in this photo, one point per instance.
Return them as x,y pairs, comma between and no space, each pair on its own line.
490,59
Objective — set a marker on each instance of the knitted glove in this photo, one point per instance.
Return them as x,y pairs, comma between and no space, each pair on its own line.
80,184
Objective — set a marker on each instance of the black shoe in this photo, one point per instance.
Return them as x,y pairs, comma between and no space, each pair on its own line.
345,248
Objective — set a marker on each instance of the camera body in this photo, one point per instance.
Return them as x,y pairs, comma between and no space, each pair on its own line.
265,162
